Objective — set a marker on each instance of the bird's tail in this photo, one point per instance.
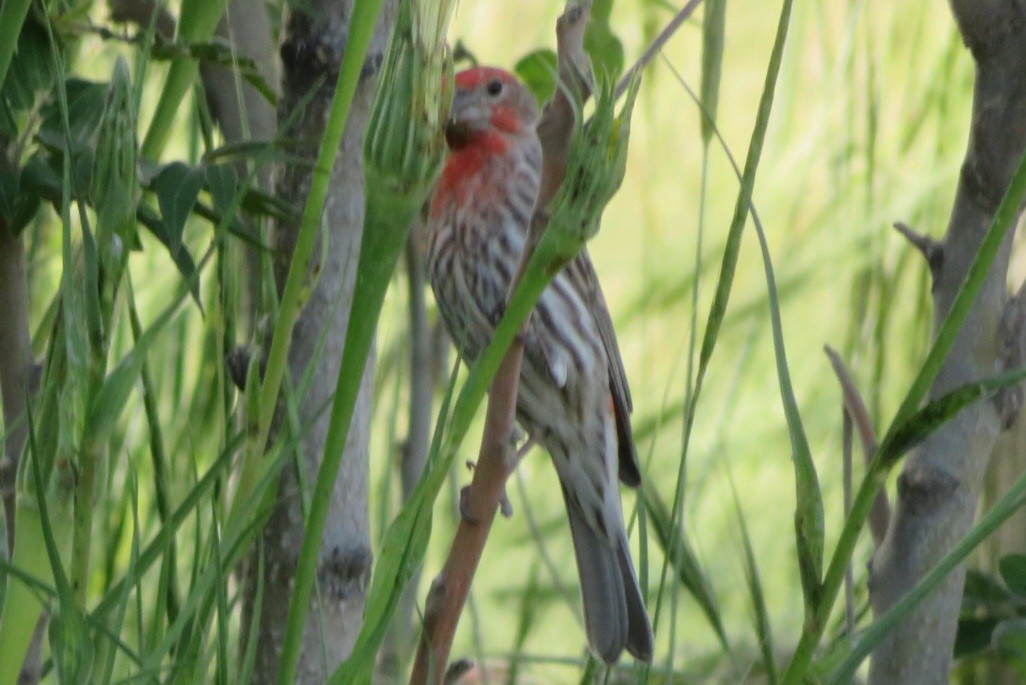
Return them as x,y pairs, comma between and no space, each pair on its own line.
614,611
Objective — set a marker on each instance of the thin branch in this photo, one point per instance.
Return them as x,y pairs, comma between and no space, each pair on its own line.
932,250
678,20
498,456
855,408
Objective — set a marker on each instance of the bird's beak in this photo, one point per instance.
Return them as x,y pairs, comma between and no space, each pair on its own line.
457,130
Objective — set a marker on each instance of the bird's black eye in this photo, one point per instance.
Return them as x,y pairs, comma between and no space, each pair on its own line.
494,87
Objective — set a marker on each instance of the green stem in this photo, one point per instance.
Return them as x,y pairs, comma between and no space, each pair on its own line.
834,576
158,456
365,14
91,456
198,20
379,254
886,458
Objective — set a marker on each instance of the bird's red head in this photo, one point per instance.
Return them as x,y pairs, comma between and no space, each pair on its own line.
492,121
489,102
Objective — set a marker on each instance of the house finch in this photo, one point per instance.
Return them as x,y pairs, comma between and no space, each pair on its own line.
573,397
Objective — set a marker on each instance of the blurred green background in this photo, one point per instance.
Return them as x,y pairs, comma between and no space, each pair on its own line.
868,127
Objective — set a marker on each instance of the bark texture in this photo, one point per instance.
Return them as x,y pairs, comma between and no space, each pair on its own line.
243,113
940,486
313,41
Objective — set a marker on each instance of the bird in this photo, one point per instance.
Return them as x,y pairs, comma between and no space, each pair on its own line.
573,396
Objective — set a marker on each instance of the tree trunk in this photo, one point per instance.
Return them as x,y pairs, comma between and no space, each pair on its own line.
940,486
1006,467
313,41
243,113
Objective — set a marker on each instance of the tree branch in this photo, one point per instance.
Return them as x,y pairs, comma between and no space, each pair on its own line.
939,489
855,408
314,36
497,456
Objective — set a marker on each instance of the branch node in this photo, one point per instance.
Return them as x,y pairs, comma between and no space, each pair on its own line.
924,488
435,600
457,670
465,506
932,250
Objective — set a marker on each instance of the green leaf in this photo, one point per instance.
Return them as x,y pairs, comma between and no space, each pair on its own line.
539,70
115,176
113,396
919,425
18,205
713,27
1013,572
177,187
982,592
86,103
763,626
221,183
70,644
974,635
1010,636
31,72
602,45
179,254
684,560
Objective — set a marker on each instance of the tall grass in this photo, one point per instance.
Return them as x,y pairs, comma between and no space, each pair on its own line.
869,109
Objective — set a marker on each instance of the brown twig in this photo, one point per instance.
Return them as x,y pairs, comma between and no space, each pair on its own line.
855,407
498,457
932,250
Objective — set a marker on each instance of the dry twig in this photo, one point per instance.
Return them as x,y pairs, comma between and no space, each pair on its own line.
497,457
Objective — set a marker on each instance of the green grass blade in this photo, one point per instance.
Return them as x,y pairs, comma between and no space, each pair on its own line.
741,207
713,29
198,19
1004,221
683,559
12,16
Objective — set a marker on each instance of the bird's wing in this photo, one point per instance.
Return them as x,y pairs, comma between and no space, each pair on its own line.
582,273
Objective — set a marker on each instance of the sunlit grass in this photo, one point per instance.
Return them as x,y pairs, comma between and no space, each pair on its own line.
868,128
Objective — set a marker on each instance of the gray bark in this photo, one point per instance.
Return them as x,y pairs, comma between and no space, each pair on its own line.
313,41
243,113
940,486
